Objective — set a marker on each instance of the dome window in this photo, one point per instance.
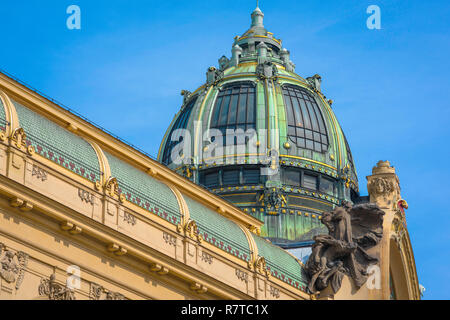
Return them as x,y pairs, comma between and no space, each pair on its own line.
306,126
180,123
235,108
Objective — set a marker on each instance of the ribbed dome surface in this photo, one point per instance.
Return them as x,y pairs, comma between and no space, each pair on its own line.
283,157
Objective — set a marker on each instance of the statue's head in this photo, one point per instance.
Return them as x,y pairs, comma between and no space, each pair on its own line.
346,204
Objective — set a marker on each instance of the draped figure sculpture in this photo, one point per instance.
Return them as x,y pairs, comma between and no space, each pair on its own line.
352,231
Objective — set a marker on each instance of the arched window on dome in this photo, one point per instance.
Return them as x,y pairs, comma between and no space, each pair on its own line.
306,126
180,123
235,108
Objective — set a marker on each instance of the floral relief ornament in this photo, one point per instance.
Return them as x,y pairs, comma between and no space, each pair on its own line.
12,265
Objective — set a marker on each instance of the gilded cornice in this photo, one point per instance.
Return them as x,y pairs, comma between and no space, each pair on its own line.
11,114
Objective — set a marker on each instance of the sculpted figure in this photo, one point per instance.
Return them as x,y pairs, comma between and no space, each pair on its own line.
352,230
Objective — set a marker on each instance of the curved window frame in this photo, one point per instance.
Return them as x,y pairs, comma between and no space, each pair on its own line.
180,123
305,121
229,111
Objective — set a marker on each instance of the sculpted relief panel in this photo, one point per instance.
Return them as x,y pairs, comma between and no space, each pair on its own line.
12,266
352,231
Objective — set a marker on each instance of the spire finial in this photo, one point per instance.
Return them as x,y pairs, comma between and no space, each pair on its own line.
257,16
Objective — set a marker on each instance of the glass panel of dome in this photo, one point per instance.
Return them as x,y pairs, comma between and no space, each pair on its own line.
310,181
251,109
300,132
233,111
326,185
301,142
251,176
316,136
291,131
292,177
180,123
312,115
231,177
241,114
224,111
302,111
237,109
317,147
211,179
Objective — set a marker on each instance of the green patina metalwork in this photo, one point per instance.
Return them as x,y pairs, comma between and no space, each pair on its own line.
281,264
58,144
218,230
260,58
145,191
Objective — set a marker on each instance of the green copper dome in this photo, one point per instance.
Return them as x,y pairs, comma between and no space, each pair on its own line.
264,138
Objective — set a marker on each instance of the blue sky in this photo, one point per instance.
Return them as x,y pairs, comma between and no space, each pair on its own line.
126,67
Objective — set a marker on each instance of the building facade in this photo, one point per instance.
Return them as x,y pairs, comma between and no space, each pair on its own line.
84,215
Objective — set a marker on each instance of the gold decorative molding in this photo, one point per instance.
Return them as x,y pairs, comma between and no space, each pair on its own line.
184,209
199,288
102,161
261,267
116,249
18,137
70,227
191,231
159,269
112,187
22,204
10,113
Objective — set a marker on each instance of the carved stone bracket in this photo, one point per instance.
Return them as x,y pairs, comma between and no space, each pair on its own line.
22,204
97,292
70,227
116,249
159,269
199,288
55,291
12,265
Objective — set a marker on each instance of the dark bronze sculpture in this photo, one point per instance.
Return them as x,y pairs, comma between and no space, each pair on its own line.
352,230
